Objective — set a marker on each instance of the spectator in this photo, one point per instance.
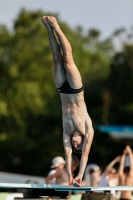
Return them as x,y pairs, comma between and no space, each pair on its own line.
55,167
110,177
60,176
92,175
126,173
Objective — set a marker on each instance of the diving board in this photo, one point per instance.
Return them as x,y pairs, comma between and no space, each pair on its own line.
62,187
37,190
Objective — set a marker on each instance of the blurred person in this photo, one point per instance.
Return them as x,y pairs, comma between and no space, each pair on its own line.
77,125
56,162
53,171
58,174
92,175
92,178
110,176
126,173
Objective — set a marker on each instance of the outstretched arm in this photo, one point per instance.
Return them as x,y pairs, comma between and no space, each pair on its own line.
126,151
111,164
126,179
68,154
84,157
130,153
121,167
55,175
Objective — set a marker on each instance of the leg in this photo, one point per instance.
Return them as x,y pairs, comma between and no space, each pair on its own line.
72,74
58,68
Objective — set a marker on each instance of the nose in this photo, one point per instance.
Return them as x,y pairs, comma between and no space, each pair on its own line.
74,139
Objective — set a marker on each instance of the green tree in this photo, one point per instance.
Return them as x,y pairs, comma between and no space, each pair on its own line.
120,84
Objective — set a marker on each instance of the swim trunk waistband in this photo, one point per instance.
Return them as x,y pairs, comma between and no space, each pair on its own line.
66,89
124,199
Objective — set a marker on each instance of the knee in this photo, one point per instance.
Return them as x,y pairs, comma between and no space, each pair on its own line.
68,59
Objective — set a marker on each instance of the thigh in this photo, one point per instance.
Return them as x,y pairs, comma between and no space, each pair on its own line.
73,76
59,74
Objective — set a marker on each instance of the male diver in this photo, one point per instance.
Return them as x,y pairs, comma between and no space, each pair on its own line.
77,125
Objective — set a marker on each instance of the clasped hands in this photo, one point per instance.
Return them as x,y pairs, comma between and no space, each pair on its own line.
76,181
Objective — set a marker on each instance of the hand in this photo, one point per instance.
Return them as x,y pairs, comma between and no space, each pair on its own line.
71,180
77,181
118,158
70,183
127,150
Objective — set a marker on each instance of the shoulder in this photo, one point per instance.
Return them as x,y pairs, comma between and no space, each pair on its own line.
60,172
51,172
66,135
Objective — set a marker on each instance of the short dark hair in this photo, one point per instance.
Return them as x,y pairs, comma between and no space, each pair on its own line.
126,170
77,150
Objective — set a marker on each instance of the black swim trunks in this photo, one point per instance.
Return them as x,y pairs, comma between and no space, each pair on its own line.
65,88
124,199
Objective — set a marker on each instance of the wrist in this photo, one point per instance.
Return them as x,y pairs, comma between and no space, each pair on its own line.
80,174
70,178
70,183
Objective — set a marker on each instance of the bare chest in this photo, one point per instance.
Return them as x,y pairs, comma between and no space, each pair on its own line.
70,124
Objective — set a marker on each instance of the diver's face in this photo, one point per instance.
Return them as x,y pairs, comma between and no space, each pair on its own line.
76,139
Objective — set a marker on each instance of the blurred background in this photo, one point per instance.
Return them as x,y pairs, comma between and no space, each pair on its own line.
101,35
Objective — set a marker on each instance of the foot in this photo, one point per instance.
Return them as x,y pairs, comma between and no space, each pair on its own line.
45,22
52,21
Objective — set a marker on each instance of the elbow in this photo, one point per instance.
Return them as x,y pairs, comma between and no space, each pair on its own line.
68,152
92,133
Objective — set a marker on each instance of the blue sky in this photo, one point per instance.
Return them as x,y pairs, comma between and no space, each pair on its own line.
105,15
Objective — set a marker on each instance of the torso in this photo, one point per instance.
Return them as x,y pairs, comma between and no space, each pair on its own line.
126,180
74,113
63,178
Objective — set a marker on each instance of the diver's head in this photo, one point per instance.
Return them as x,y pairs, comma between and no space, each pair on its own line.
77,141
